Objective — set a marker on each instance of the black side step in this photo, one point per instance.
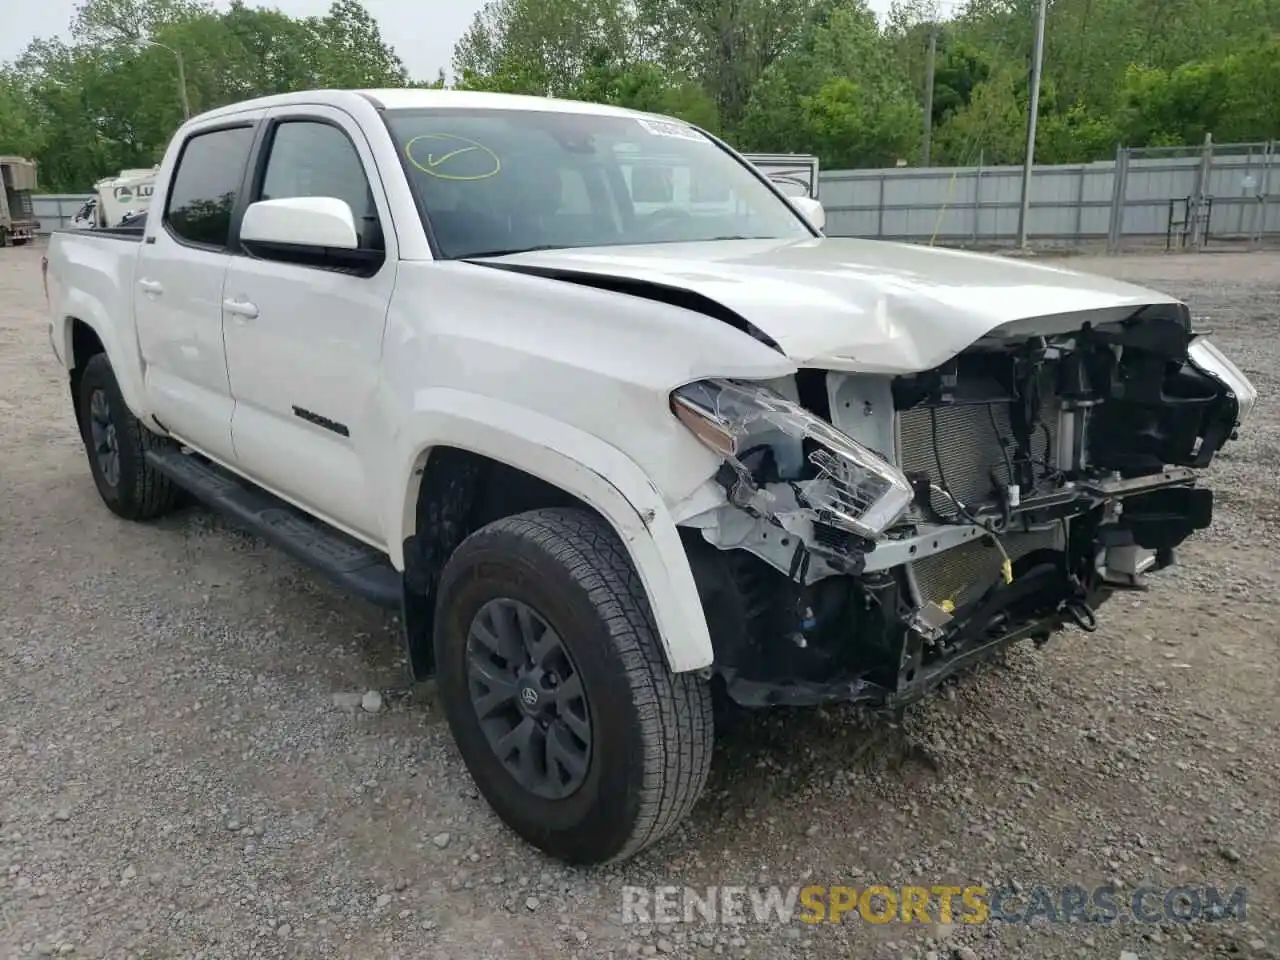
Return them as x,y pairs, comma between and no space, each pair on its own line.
352,564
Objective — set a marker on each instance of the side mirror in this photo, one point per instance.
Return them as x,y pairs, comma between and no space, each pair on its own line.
811,209
301,222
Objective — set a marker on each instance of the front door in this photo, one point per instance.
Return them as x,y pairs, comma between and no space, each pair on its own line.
177,292
304,342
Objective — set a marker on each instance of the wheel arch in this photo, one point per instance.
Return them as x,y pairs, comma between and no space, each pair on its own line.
471,446
82,344
85,332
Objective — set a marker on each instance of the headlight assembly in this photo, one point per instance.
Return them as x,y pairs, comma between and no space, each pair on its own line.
1205,354
843,483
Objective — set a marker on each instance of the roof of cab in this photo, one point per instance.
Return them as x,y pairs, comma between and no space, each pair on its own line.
408,98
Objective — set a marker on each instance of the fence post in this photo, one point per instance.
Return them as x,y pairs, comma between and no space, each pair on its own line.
977,194
1119,178
1084,168
880,210
1202,183
1268,152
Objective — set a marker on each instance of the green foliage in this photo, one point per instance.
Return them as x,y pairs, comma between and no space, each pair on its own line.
821,76
110,100
836,95
1235,97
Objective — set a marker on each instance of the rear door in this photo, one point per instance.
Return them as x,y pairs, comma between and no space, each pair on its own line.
178,286
304,341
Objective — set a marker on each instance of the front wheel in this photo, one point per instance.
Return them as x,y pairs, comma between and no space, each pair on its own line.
557,691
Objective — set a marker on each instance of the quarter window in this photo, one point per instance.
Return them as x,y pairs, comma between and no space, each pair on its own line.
205,185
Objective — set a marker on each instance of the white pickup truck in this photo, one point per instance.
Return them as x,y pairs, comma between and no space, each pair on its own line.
609,463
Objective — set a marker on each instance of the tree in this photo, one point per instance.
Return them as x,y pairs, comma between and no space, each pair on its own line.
728,45
820,76
350,51
108,101
541,46
645,86
836,94
19,129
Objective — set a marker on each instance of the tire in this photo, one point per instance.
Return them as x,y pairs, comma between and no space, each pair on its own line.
134,489
650,731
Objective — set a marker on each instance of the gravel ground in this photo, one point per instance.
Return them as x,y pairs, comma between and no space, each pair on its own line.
186,769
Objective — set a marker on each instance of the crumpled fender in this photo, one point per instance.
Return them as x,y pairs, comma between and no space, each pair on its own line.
583,465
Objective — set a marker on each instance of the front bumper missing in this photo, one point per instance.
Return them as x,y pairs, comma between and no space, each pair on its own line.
916,678
889,650
928,539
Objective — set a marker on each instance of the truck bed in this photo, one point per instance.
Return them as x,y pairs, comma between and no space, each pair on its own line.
90,277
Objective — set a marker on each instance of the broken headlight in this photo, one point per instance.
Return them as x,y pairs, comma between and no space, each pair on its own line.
843,483
1205,355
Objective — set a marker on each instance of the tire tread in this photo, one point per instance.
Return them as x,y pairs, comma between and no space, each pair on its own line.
675,709
153,493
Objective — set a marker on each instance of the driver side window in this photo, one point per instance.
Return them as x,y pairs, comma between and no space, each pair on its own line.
310,158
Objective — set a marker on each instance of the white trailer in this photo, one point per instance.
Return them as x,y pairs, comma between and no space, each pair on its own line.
795,174
116,197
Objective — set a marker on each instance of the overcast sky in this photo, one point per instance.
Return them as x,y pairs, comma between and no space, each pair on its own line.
422,31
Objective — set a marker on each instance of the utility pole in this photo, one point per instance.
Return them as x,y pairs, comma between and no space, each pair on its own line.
182,76
928,94
1037,62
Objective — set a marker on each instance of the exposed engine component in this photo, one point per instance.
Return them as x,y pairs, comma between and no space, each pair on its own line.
924,520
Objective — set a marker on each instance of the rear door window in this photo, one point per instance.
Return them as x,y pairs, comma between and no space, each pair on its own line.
206,184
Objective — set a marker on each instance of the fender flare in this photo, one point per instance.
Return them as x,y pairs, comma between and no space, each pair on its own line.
595,472
126,362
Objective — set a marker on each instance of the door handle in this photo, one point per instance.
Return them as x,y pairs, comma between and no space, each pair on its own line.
151,286
241,308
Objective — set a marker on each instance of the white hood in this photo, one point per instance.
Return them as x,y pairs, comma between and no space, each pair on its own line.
864,305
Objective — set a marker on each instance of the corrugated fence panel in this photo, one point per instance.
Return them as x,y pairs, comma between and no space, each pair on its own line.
55,210
1069,203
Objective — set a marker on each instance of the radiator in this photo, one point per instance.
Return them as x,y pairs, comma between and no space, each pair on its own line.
974,444
965,572
972,441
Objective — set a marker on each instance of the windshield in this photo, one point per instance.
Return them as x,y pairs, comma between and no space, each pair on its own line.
490,182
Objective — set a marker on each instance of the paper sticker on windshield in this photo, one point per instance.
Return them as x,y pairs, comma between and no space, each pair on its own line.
665,128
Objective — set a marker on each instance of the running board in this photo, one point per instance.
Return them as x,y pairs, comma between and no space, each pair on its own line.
360,568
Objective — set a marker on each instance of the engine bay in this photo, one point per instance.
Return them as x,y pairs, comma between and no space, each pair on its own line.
1025,481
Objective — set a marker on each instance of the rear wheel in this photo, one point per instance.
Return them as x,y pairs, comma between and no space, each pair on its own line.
557,690
116,443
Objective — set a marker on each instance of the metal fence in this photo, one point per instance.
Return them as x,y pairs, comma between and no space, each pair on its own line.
1179,197
55,210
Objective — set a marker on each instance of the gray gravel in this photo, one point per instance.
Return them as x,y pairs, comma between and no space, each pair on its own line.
205,751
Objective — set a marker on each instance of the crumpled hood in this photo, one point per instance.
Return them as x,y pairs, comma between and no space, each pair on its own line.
862,305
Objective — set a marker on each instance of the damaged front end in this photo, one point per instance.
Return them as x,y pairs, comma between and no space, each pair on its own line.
878,534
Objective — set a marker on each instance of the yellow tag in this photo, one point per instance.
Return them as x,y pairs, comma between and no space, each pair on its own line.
1006,568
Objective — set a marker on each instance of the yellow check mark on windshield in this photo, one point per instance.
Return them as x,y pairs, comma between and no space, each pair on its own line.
433,162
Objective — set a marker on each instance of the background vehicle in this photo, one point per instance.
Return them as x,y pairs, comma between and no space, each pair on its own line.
607,452
17,184
654,182
795,174
114,198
